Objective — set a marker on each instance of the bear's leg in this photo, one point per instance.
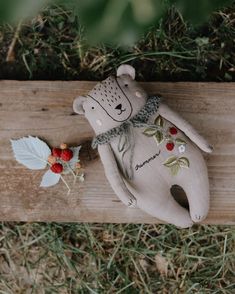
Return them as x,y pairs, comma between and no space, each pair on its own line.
198,197
174,213
169,211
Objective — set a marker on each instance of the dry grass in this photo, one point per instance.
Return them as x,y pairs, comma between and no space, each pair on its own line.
53,46
114,258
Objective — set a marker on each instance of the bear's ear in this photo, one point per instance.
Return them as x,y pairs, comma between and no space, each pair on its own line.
78,105
126,69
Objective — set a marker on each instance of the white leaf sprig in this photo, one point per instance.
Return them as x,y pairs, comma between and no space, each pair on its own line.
36,155
31,152
50,179
74,160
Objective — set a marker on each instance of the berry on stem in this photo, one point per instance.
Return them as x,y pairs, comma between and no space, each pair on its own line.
56,152
78,165
57,168
173,131
66,154
170,146
51,159
63,146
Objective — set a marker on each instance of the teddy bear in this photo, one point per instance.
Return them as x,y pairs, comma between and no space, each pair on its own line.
146,148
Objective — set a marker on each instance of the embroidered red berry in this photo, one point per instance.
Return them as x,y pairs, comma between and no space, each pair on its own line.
170,146
66,154
173,131
57,168
56,152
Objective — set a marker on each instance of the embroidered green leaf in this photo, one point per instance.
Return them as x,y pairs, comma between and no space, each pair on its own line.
179,141
159,121
122,142
175,169
170,161
159,137
150,132
184,162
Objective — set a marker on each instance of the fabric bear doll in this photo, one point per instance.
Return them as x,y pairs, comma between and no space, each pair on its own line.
146,148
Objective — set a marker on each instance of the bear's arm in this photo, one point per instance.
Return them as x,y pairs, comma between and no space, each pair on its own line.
184,126
113,175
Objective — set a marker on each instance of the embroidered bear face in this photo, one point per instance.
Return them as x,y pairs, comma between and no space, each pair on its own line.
110,96
112,101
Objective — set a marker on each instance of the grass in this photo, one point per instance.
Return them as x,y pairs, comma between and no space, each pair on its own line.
53,46
114,258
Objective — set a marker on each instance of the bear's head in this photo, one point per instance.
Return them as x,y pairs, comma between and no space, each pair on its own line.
112,101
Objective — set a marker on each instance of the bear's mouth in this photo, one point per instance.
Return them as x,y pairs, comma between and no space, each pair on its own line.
121,111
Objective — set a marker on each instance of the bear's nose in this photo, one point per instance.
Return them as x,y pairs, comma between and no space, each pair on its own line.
119,106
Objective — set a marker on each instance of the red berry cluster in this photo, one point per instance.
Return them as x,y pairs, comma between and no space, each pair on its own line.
63,154
170,145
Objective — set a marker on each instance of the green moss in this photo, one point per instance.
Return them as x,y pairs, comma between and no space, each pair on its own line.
53,46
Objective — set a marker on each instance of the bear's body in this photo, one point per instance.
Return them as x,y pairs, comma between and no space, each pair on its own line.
152,181
159,158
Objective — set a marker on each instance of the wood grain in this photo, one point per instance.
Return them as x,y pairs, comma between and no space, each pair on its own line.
44,109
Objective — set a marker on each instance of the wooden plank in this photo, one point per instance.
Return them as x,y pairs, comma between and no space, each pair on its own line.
44,109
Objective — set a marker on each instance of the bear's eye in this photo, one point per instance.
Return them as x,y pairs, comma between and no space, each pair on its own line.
126,85
92,107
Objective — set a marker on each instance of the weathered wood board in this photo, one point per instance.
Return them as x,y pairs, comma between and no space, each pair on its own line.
44,109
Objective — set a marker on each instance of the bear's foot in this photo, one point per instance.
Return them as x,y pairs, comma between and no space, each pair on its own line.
197,218
169,211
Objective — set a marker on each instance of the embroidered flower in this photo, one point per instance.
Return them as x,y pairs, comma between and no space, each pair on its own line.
181,149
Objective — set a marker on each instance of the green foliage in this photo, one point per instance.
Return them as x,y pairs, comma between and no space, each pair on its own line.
199,10
52,45
124,21
116,258
16,10
121,22
116,21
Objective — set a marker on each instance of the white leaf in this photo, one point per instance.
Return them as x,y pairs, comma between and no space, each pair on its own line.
49,179
74,159
31,152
